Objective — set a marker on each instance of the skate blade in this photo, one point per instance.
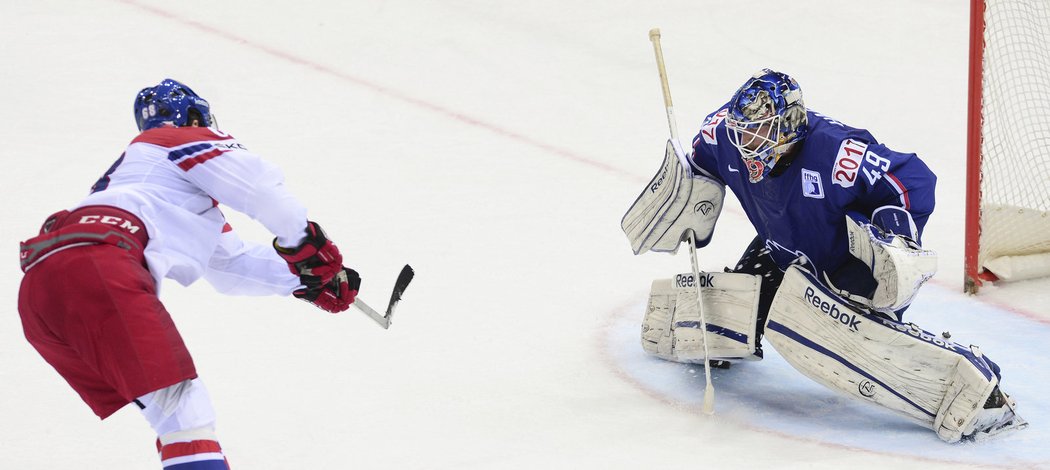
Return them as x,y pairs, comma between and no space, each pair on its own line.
1000,430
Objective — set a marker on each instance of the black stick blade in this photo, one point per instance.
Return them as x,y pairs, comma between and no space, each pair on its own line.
399,287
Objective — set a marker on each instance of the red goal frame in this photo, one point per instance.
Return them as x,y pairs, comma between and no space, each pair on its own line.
974,277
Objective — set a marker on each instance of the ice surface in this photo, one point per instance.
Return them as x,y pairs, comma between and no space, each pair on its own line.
494,146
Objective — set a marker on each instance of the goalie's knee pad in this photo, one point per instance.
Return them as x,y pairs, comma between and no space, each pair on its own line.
933,381
671,327
180,407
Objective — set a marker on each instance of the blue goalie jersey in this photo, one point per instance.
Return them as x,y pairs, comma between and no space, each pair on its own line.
801,211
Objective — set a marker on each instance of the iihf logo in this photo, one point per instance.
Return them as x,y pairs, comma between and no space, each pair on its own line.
811,186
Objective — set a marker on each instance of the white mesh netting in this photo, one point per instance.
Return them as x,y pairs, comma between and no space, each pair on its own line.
1015,174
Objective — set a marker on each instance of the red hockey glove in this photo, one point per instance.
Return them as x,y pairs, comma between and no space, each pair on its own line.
336,296
316,260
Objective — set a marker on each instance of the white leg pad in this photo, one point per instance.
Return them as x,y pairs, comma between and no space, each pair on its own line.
671,327
932,381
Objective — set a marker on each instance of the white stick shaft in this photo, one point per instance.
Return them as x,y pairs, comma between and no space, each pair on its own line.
364,308
654,36
709,390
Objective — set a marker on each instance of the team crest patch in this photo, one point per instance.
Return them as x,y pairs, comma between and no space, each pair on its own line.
811,186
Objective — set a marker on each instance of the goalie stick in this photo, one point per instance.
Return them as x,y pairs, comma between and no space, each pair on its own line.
399,288
709,389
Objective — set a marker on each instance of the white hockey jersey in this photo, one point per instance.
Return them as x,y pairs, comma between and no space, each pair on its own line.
174,178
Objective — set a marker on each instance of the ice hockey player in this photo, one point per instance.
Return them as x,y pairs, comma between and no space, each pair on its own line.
153,215
837,260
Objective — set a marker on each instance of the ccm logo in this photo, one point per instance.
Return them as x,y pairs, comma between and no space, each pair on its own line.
832,310
110,220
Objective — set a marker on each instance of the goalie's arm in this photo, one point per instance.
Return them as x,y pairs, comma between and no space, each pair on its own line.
893,179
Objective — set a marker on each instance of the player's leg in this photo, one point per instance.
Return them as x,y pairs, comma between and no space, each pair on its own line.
757,260
184,420
96,392
80,329
108,310
110,337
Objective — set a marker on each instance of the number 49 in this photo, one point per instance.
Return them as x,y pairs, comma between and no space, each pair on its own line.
880,166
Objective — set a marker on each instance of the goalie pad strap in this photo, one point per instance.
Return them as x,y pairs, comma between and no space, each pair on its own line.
672,204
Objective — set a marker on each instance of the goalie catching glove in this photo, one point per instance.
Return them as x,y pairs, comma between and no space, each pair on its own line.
898,263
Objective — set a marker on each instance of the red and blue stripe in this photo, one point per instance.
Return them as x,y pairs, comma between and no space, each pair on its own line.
191,155
193,455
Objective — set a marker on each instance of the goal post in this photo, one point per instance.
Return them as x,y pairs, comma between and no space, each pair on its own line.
1008,142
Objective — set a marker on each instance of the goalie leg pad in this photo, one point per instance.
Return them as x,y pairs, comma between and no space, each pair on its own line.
934,382
671,327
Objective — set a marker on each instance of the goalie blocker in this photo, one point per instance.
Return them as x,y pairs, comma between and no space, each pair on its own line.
674,203
939,384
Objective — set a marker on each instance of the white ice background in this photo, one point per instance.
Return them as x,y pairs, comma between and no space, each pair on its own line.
494,146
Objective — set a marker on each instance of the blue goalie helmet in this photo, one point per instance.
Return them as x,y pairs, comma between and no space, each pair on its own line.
766,118
170,103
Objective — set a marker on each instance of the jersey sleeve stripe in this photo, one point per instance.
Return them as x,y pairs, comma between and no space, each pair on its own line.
189,156
191,162
899,187
177,154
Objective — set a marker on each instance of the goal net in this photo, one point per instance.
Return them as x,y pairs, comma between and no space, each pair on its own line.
1008,168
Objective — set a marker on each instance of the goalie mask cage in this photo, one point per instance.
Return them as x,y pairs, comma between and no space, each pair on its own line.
1008,142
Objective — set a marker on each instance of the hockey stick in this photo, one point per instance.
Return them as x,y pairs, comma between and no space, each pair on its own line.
709,390
399,288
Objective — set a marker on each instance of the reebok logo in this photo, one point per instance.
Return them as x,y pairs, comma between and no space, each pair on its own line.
659,181
110,220
686,280
922,335
831,309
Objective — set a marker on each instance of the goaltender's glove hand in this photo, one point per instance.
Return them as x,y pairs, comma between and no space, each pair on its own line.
898,263
316,260
337,295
